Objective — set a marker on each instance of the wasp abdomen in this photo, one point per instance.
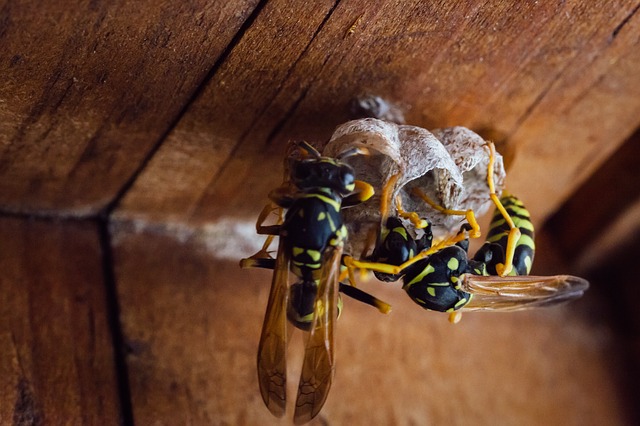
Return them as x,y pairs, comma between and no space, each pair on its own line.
494,249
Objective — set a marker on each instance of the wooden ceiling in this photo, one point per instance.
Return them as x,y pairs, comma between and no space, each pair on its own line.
138,139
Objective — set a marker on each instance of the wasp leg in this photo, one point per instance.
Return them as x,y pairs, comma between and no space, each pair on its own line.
473,232
271,231
365,297
514,232
367,250
262,259
413,217
455,317
358,150
252,262
469,230
370,243
385,197
362,192
385,203
351,264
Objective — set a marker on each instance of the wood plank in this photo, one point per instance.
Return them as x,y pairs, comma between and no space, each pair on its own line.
227,114
460,63
451,66
56,353
193,321
608,196
88,90
613,281
588,113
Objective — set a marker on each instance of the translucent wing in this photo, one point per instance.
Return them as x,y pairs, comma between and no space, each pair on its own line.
318,365
273,340
521,292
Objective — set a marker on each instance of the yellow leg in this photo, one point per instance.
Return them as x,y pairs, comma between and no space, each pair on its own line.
455,317
514,232
385,202
413,217
470,216
385,197
474,232
266,211
386,268
261,229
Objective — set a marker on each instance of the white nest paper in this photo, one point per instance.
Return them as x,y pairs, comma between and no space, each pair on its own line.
449,165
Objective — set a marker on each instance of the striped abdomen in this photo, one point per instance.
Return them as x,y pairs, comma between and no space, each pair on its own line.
494,249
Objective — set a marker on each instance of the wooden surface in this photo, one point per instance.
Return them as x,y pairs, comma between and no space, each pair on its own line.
89,90
56,350
166,123
468,66
194,346
614,186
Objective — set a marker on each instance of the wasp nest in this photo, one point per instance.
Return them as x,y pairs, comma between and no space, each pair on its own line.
449,165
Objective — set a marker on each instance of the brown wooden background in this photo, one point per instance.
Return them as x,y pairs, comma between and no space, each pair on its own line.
138,141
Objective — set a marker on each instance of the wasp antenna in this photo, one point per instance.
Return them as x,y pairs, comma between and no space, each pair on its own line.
358,150
308,148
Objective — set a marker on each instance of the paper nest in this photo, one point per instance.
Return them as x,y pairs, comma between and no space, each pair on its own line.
449,165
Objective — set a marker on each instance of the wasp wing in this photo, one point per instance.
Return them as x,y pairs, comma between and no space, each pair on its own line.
521,292
273,340
318,365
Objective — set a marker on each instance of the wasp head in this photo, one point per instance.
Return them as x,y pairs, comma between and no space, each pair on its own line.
312,170
324,173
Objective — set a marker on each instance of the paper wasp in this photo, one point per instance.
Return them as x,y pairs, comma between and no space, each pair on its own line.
311,236
443,277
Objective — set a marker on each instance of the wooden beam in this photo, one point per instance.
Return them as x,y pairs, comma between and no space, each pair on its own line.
584,221
56,353
89,89
496,67
448,64
588,112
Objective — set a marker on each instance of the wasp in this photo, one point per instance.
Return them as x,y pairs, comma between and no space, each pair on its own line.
443,278
311,237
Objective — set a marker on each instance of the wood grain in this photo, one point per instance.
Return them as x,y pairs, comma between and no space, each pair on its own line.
605,198
56,353
220,127
88,90
610,275
587,113
518,70
193,323
503,67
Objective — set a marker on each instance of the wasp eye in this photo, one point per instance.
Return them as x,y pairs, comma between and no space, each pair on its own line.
346,176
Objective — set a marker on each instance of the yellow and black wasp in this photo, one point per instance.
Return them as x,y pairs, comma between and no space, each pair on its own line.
443,278
311,237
